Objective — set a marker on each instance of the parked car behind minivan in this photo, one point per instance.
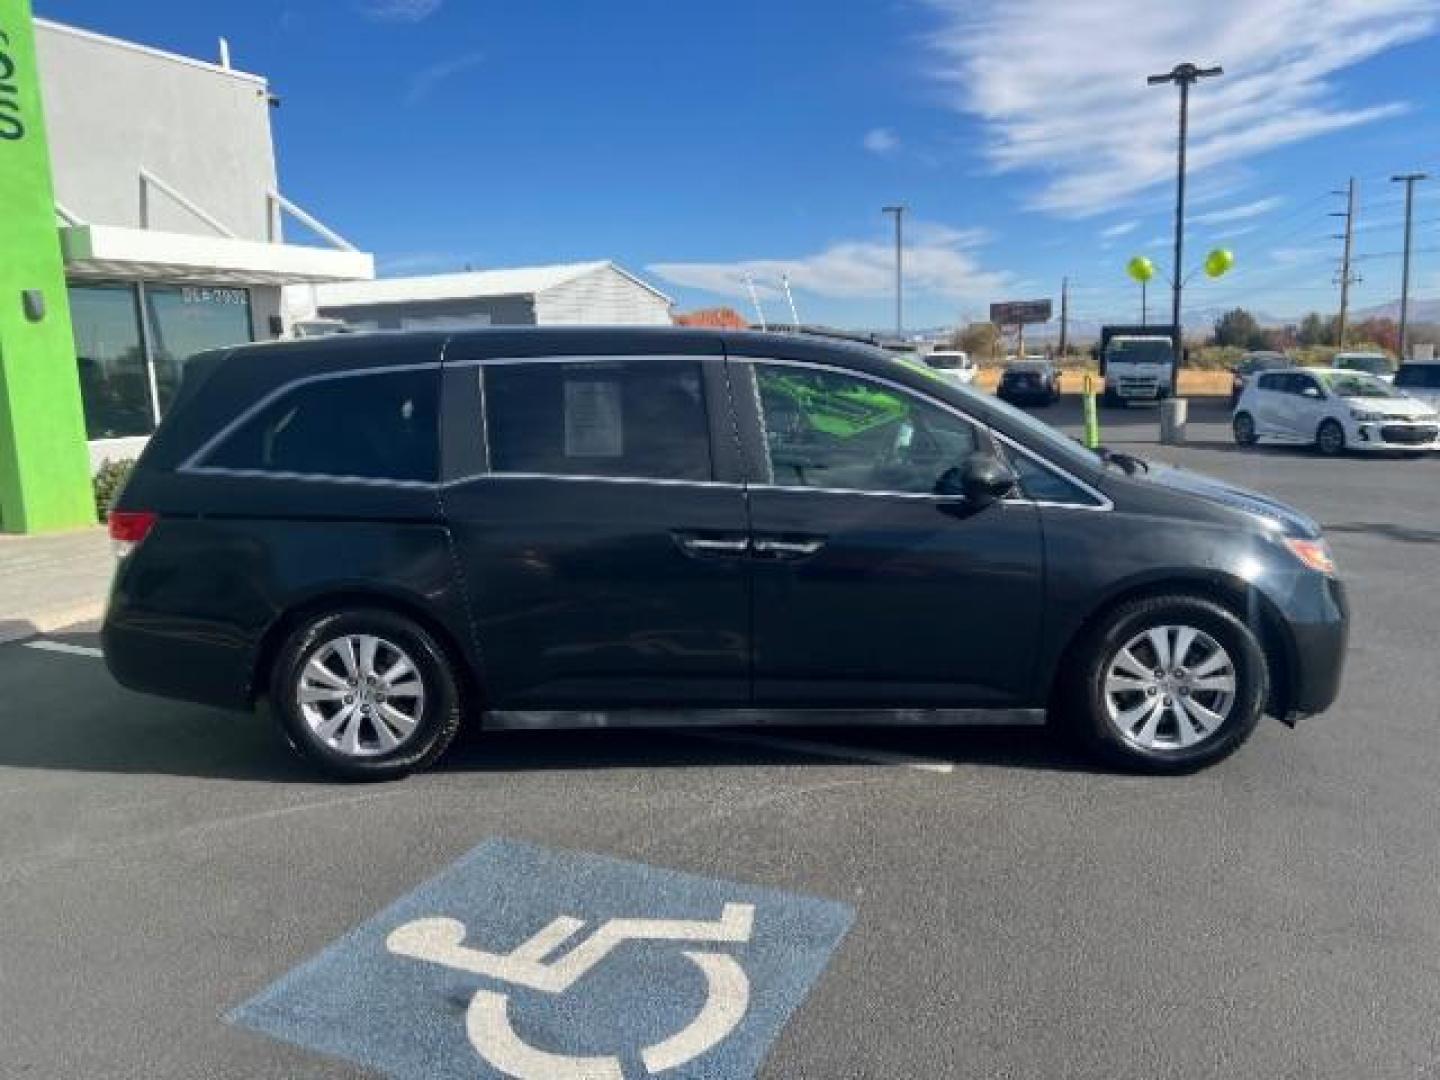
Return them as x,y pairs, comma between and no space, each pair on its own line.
383,534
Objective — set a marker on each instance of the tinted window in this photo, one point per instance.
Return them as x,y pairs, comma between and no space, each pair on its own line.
1273,382
1039,483
1298,384
1424,376
826,430
373,426
114,383
185,320
642,418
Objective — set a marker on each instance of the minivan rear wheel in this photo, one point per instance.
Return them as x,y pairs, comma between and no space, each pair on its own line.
1168,684
365,694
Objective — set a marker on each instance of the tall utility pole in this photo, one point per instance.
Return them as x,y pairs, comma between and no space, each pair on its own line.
899,212
1182,75
1408,179
1345,279
1064,315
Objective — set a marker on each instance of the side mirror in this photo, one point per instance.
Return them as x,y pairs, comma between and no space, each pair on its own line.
981,480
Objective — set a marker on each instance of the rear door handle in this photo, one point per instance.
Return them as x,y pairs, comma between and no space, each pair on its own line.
789,549
713,545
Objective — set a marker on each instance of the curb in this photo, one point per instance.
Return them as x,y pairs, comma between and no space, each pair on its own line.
18,628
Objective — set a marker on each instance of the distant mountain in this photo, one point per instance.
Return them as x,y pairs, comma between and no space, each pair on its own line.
1420,310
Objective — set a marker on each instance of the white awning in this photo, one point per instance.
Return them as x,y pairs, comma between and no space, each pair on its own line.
110,252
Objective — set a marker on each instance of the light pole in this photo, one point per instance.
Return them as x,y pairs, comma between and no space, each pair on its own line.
1182,75
899,212
1408,179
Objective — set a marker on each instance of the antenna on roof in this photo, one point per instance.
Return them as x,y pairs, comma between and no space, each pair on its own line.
755,299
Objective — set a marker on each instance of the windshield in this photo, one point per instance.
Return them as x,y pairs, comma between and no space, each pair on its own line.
1375,365
1354,384
945,360
1156,351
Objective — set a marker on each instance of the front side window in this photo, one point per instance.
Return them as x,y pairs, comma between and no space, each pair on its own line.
379,427
641,418
829,430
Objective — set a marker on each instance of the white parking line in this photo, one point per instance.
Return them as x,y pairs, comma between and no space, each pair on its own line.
820,749
65,647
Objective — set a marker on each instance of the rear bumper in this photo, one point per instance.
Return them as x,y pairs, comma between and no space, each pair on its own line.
175,657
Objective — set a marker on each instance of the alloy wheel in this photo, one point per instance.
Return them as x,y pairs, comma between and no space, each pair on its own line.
361,695
1169,688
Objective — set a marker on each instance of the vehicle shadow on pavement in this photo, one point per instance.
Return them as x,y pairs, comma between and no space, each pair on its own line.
1002,747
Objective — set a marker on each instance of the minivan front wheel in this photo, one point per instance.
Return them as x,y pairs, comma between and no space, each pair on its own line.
1170,684
365,694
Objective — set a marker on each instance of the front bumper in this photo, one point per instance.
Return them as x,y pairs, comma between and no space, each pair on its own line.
1394,435
1317,622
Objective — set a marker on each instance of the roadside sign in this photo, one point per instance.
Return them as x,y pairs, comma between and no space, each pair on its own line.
524,962
1020,312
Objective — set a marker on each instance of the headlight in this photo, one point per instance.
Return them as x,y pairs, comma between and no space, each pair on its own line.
1365,414
1313,553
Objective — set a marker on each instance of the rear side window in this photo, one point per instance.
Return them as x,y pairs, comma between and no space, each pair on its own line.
640,419
377,427
1423,376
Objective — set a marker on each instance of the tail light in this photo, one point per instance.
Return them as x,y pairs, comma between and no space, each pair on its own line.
128,528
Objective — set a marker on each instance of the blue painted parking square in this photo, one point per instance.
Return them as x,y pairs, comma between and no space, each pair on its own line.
520,961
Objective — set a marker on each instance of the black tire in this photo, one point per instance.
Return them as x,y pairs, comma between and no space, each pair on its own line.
440,714
1330,438
1243,427
1083,703
1110,400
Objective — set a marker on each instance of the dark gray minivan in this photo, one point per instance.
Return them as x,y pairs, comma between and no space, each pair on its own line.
382,534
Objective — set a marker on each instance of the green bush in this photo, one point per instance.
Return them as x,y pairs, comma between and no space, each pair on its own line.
108,481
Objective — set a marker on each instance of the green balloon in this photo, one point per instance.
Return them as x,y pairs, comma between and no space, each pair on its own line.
1140,268
1219,261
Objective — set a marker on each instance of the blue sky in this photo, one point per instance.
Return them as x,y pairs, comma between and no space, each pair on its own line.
698,143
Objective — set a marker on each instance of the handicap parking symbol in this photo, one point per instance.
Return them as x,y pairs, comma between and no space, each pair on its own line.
525,962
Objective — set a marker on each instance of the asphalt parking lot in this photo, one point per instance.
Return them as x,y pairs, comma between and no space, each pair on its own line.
992,905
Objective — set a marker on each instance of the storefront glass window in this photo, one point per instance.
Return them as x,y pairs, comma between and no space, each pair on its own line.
114,383
187,319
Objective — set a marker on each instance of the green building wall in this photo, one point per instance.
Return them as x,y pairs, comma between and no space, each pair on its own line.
44,464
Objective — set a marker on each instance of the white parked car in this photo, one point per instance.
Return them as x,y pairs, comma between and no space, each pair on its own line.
1333,410
1372,363
953,364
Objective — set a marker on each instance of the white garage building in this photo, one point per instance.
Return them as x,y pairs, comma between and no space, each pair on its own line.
588,293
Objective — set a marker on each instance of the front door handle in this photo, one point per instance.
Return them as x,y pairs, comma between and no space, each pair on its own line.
788,549
713,545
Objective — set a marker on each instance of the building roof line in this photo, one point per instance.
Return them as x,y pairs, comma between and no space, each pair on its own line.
148,50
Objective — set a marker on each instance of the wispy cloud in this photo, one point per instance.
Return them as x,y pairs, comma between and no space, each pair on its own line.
1060,85
939,261
424,81
1238,213
400,10
1118,230
1232,232
881,141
